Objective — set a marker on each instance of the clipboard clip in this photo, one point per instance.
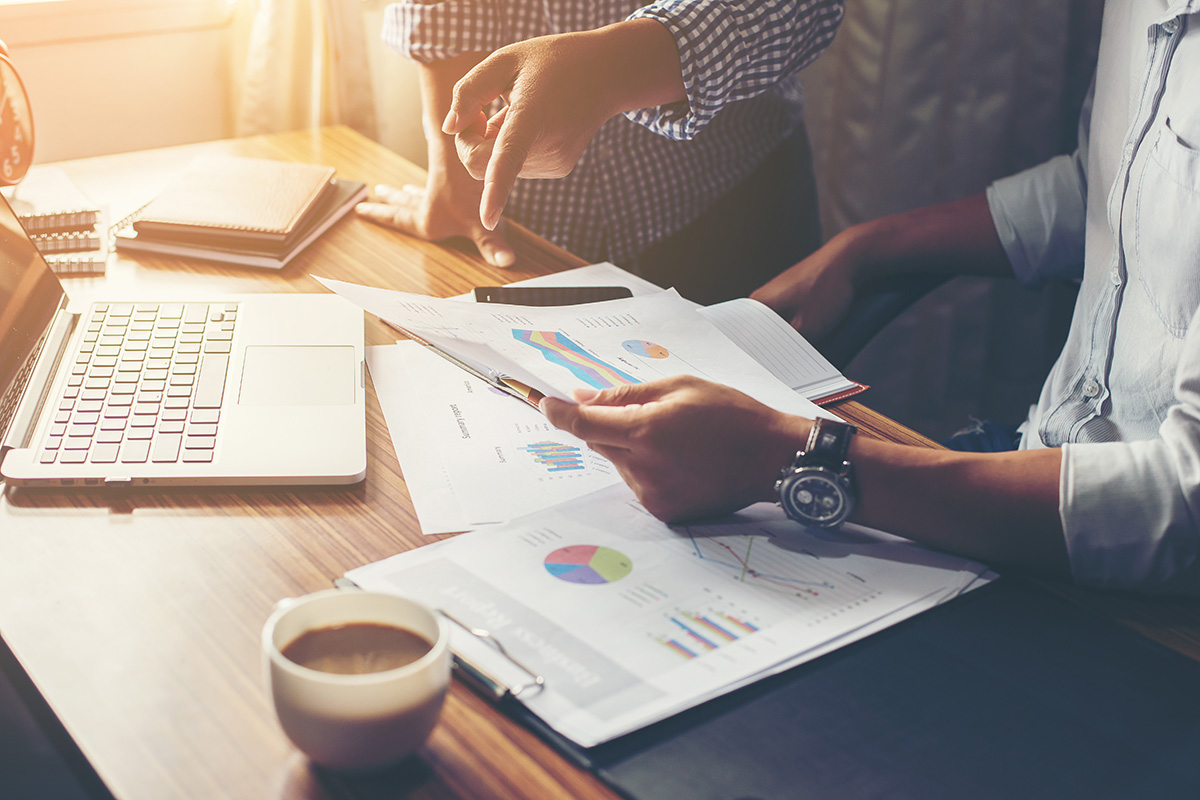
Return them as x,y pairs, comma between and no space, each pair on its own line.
480,679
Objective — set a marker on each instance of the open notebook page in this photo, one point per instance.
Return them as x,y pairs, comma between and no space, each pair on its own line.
776,345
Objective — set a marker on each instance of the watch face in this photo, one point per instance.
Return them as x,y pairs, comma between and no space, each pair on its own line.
815,498
16,126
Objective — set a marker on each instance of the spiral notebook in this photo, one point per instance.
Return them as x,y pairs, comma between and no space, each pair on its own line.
48,202
65,225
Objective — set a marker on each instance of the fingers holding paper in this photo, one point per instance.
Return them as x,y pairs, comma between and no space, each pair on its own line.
687,447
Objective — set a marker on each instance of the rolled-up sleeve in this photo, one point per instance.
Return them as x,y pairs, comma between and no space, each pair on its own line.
731,51
1130,510
431,32
1041,214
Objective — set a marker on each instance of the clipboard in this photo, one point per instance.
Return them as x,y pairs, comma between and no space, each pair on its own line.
510,386
1009,691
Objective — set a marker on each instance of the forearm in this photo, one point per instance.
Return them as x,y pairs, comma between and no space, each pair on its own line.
1001,508
437,81
956,238
637,65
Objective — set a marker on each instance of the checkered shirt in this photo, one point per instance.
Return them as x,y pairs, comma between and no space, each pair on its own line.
648,173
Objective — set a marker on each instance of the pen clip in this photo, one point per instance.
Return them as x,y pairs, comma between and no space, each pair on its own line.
481,679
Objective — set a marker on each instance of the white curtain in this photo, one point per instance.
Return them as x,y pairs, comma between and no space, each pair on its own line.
301,64
923,101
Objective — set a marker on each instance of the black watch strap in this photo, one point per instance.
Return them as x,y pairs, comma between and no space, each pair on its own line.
828,444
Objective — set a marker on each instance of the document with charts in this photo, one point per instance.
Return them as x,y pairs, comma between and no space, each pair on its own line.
748,323
548,351
629,620
471,455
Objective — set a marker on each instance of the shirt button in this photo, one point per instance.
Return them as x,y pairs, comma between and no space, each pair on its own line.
1171,26
1115,275
1091,389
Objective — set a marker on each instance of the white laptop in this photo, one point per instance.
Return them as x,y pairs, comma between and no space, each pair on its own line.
241,390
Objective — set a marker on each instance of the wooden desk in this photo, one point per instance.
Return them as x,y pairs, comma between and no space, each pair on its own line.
137,615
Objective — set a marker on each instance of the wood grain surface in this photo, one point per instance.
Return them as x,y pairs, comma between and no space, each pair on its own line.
137,613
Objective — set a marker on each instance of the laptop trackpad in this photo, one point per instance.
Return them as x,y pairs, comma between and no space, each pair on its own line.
296,375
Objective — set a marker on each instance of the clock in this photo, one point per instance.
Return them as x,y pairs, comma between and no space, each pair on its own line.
16,124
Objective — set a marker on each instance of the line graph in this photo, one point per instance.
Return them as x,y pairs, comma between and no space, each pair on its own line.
757,561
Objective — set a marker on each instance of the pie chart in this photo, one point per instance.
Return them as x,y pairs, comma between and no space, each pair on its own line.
588,564
645,349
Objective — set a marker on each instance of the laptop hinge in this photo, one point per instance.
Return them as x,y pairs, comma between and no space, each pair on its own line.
41,380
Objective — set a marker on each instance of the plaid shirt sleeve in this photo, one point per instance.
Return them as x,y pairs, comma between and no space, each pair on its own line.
731,50
427,33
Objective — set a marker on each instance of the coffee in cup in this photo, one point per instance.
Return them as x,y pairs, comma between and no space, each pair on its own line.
357,679
357,648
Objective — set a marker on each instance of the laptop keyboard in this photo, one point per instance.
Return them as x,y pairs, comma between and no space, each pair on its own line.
145,387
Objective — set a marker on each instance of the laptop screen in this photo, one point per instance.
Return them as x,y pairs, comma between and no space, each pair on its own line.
30,295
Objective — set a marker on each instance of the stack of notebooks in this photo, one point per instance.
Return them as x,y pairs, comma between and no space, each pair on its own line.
247,211
67,227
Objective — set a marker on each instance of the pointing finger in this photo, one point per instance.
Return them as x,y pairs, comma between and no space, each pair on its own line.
508,156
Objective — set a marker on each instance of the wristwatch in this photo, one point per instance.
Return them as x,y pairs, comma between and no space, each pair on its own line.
817,488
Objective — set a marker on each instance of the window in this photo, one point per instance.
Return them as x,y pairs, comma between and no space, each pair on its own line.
34,22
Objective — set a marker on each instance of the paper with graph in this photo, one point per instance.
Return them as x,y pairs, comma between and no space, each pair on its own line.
749,324
471,456
549,351
630,620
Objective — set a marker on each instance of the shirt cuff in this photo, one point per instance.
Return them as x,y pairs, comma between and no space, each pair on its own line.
427,33
1040,216
707,79
1124,519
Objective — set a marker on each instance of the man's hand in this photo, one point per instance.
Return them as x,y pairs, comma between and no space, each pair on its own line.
446,206
955,238
816,293
687,447
559,90
553,112
438,212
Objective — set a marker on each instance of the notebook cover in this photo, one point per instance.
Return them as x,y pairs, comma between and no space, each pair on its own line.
251,254
253,197
338,193
845,394
1007,692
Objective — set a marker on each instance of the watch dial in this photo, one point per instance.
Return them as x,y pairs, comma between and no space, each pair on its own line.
16,126
817,498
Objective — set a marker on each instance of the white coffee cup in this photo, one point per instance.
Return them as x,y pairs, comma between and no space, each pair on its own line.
365,720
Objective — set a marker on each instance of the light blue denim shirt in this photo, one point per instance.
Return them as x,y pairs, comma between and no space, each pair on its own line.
1122,215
